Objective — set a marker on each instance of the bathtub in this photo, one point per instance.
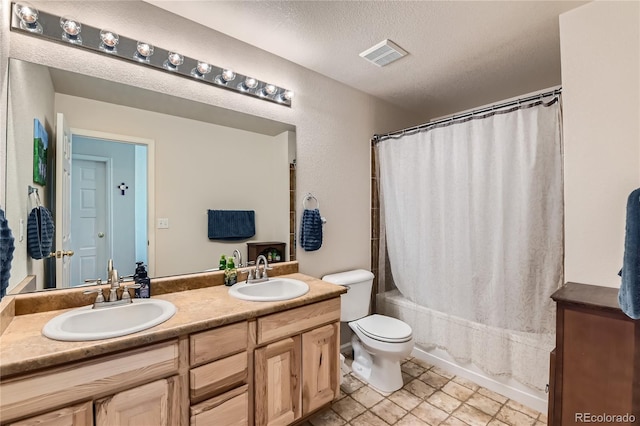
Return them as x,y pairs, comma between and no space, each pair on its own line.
527,354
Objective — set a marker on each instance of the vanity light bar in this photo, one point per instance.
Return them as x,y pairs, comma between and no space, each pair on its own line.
66,30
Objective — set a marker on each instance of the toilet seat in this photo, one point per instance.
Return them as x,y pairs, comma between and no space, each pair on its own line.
384,329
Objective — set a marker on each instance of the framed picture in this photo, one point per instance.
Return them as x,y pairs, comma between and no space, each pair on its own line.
40,148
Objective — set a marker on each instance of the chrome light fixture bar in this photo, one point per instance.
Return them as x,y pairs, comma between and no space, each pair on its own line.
72,32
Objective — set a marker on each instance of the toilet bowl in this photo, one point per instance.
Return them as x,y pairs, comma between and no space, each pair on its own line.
379,342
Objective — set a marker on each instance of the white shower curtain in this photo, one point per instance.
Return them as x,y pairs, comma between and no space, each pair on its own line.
473,216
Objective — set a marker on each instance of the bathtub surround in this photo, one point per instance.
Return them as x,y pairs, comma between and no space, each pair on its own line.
481,246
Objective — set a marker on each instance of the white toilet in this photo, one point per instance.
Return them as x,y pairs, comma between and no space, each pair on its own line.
379,342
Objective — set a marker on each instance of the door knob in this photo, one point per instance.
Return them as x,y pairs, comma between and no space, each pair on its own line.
60,253
100,234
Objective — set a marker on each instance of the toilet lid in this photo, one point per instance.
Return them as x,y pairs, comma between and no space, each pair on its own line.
385,329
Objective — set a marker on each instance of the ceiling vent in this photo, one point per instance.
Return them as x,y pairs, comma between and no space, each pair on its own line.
383,53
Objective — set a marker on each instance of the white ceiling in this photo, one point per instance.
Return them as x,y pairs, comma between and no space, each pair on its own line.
462,54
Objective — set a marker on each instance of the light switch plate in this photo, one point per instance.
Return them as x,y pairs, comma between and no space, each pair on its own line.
163,223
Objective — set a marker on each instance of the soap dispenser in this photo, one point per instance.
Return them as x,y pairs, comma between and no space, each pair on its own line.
140,277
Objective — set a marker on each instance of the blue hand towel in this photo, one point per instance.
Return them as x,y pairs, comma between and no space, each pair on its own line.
6,253
629,293
311,230
231,224
40,231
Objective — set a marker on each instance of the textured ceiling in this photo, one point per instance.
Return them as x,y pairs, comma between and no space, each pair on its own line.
461,54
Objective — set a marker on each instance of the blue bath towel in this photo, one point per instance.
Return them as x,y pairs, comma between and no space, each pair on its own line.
629,293
311,230
6,253
40,232
231,225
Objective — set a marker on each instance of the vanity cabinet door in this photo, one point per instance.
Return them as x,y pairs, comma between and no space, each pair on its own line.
77,415
277,383
155,403
321,367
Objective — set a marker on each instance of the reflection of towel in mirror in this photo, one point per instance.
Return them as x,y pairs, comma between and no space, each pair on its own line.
311,230
629,293
40,229
231,224
6,253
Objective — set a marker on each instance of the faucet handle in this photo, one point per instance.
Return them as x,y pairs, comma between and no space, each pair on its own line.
99,297
125,290
251,274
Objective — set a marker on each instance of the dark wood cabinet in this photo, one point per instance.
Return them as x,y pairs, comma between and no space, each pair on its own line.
274,251
595,367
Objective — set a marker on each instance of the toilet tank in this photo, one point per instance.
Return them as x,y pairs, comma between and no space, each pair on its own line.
354,304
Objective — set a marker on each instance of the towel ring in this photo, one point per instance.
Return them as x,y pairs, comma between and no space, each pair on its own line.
308,197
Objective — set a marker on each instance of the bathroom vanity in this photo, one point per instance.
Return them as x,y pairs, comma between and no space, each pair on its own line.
219,361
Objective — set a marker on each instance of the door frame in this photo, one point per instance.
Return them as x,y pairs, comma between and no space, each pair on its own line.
151,211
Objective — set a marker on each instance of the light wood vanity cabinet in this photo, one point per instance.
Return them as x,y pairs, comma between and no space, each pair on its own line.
273,370
297,371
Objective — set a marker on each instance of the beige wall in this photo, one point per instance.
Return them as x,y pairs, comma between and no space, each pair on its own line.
333,122
601,97
33,84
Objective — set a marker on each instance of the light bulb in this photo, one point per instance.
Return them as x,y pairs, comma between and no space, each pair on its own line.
70,26
251,82
175,59
28,17
248,84
226,76
201,69
143,51
270,89
71,30
285,96
109,38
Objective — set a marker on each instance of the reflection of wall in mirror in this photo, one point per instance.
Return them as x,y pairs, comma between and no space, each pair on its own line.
199,166
33,86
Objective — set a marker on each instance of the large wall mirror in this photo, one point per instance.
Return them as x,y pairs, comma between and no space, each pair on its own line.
157,162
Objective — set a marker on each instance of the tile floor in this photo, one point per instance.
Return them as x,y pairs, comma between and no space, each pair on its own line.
430,396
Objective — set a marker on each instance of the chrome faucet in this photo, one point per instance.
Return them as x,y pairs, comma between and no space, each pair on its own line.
255,276
238,258
114,284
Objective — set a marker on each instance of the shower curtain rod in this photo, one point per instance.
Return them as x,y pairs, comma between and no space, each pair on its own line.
457,118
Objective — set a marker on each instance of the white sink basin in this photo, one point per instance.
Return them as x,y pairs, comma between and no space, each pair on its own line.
269,291
94,324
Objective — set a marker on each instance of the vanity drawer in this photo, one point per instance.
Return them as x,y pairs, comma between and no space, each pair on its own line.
218,376
217,343
283,324
231,409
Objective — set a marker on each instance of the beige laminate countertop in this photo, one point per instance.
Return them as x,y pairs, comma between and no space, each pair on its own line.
23,348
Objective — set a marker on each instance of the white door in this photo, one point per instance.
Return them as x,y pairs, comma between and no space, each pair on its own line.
88,219
63,203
